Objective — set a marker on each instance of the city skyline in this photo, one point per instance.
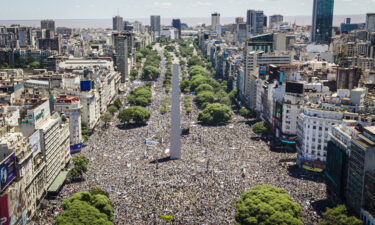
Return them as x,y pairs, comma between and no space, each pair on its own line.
84,9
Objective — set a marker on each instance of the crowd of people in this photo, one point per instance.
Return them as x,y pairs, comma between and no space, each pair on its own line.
218,163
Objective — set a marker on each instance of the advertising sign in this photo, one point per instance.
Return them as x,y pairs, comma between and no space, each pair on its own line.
35,144
4,211
36,115
76,148
262,70
7,171
86,85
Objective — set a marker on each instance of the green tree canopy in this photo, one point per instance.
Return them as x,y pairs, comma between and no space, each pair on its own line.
194,60
185,86
134,114
150,73
339,216
118,103
106,118
87,208
140,96
204,87
112,109
267,205
82,213
204,98
195,70
259,128
133,74
215,113
198,80
35,65
138,56
245,112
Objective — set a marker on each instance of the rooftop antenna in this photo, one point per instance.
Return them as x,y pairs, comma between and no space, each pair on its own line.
118,11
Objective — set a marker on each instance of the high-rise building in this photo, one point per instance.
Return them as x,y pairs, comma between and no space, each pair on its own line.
48,25
239,20
241,34
362,160
321,31
370,22
275,21
215,20
155,24
348,78
265,21
121,48
176,23
255,21
117,23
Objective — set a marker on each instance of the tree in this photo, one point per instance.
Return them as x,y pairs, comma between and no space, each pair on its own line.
135,114
245,112
133,74
80,166
82,213
35,65
194,60
195,70
215,113
85,132
92,207
118,103
106,117
185,86
141,96
259,128
198,80
267,205
205,98
204,87
233,95
112,109
95,191
339,216
150,73
138,57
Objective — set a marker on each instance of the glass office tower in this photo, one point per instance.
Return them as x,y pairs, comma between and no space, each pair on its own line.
322,21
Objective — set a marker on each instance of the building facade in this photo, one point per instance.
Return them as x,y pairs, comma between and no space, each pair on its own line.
321,31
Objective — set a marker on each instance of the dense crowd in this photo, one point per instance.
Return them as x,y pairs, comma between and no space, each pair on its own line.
218,163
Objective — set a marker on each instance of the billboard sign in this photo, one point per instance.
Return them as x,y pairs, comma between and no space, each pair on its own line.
8,171
35,140
37,114
86,85
4,210
262,70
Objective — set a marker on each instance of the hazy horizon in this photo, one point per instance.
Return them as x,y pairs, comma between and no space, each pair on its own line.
191,21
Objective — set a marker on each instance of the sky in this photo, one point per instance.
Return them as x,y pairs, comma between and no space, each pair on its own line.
100,9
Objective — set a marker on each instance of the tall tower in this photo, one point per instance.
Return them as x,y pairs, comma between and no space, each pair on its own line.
176,23
370,22
175,115
215,20
321,31
118,23
255,21
48,25
121,47
155,24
